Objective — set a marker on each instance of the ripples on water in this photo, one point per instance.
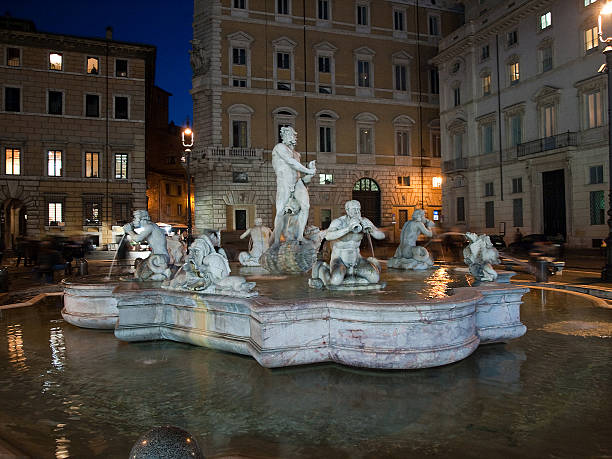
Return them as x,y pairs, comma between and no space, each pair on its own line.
70,392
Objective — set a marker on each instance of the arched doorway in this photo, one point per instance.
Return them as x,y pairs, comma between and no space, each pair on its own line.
367,192
14,222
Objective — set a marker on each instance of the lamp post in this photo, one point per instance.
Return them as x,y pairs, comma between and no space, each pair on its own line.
604,22
187,139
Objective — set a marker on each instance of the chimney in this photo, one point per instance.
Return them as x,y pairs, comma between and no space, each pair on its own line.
109,33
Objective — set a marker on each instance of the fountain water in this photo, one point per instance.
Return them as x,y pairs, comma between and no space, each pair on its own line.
119,248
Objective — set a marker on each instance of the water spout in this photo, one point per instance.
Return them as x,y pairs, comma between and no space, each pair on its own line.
108,276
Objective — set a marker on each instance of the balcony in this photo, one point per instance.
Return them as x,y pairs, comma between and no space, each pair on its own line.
455,165
568,139
225,153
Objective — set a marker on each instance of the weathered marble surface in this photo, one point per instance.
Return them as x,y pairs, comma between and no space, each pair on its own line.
90,305
355,332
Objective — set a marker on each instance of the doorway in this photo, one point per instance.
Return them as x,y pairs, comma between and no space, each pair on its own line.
553,202
367,192
14,222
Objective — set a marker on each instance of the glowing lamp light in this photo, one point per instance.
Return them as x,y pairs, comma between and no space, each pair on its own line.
604,22
187,137
436,182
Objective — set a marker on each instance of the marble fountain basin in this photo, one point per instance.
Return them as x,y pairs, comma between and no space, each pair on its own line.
408,325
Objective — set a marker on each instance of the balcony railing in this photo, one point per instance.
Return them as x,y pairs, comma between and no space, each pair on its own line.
568,139
215,152
455,165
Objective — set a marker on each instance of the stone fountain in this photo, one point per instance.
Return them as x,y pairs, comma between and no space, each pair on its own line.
357,314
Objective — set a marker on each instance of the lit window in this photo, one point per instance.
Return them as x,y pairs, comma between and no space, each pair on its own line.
486,85
591,39
56,61
593,109
514,73
92,161
92,213
121,165
545,20
54,163
363,69
12,161
93,65
56,214
326,179
13,57
436,182
121,68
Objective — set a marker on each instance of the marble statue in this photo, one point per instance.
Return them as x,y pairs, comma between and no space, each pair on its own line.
409,255
207,271
176,250
292,201
347,268
200,62
155,266
480,255
259,243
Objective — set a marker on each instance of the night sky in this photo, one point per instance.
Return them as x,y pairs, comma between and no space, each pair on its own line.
162,23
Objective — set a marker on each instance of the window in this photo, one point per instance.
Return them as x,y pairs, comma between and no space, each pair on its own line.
402,143
54,163
460,209
240,177
400,77
179,209
591,40
487,138
434,25
325,89
512,38
363,70
324,64
517,186
365,141
546,58
514,72
12,161
598,207
12,99
434,81
548,120
484,53
323,10
92,105
92,211
326,179
56,61
93,65
596,174
239,4
516,129
239,134
282,7
239,83
56,213
363,14
517,212
545,22
458,145
398,20
282,61
486,85
240,219
325,218
489,189
122,210
436,144
121,108
436,182
121,68
121,165
55,102
325,139
13,57
490,214
593,109
403,181
239,56
457,96
92,164
283,86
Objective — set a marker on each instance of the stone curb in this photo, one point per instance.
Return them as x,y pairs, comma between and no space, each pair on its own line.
32,302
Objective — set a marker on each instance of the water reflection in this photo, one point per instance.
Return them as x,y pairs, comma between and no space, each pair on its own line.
16,354
58,348
61,442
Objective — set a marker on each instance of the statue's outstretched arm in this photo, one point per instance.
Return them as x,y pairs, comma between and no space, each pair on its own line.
281,151
245,234
336,232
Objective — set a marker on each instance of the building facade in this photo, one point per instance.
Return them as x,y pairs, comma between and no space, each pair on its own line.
350,76
524,123
166,174
72,132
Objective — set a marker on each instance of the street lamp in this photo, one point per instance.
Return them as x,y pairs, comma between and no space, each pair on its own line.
604,26
187,139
